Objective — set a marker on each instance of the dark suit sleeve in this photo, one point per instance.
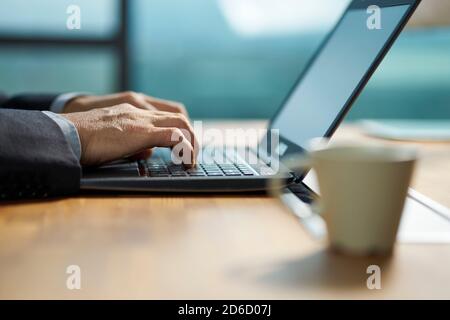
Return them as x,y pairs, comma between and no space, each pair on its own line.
36,160
28,101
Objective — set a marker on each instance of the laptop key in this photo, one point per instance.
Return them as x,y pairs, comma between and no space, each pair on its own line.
227,166
182,173
176,168
198,171
230,169
159,175
233,174
158,170
179,174
213,171
214,174
156,166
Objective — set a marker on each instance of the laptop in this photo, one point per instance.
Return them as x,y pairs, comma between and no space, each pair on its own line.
314,107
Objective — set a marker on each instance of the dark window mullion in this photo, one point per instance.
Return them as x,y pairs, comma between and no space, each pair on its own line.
55,41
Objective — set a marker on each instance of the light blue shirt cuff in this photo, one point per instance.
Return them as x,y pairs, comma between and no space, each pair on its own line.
69,131
60,102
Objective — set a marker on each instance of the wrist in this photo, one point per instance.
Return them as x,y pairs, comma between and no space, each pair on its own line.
76,120
69,130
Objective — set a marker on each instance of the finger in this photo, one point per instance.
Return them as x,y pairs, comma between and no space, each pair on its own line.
175,139
135,99
166,105
173,121
120,98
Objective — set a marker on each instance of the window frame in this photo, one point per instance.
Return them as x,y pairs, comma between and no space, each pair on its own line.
118,43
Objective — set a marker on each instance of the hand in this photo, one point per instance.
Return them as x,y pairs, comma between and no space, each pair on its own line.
138,100
121,131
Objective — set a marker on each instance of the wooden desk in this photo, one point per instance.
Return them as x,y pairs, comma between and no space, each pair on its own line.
187,247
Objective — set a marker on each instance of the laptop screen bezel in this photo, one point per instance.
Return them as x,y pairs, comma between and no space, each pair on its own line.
292,148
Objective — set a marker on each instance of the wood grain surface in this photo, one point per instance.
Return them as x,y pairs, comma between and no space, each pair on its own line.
191,247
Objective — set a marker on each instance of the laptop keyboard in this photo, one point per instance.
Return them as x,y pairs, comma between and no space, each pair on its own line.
162,167
202,170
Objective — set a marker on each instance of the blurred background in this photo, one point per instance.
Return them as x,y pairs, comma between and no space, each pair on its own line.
222,58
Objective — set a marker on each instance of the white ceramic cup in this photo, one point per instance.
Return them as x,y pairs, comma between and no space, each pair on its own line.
363,191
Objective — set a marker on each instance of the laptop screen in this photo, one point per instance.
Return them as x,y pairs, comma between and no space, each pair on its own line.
324,90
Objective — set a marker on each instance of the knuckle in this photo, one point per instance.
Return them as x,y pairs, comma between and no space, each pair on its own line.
127,106
131,96
180,106
107,111
176,134
177,131
129,93
182,118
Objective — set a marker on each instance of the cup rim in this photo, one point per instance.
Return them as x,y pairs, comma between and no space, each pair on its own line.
365,153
